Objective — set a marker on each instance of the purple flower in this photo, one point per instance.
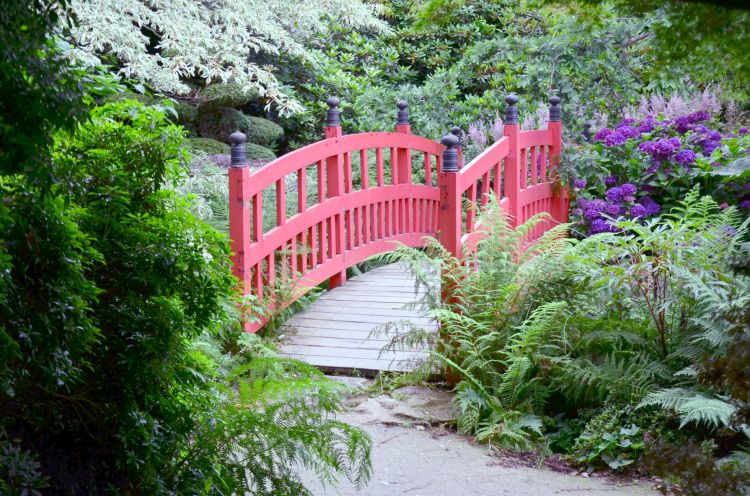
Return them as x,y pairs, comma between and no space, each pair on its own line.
577,212
638,210
652,208
700,128
698,117
628,131
602,226
612,209
729,231
745,205
682,124
647,146
675,142
685,157
579,183
614,194
664,148
602,133
714,135
709,147
647,125
610,180
743,130
615,139
628,121
628,189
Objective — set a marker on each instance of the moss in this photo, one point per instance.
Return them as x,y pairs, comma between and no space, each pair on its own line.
119,97
220,123
217,95
207,145
257,152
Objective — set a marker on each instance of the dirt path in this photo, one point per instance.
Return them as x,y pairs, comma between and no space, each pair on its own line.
411,457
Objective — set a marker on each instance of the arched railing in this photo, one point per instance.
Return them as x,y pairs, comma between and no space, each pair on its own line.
304,219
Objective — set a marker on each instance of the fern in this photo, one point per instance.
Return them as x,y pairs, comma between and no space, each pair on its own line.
692,407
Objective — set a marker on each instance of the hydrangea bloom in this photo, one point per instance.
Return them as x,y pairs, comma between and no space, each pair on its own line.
638,210
652,208
579,183
602,226
698,117
627,191
743,130
745,204
682,124
613,194
685,157
602,133
613,209
615,139
628,121
610,180
628,131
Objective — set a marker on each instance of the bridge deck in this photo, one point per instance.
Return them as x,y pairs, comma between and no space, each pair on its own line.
335,332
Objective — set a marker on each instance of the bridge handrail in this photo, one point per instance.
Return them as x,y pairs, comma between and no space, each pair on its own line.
345,225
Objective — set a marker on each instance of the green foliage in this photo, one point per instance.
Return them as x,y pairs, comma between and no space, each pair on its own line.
178,47
112,379
217,95
262,131
38,90
219,123
208,146
257,152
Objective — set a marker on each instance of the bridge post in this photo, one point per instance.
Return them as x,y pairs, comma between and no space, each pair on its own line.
335,187
560,209
449,210
239,213
512,131
403,155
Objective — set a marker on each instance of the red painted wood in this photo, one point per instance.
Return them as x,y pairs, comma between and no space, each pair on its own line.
344,226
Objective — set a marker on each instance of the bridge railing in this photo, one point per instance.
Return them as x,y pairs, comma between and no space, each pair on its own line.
306,217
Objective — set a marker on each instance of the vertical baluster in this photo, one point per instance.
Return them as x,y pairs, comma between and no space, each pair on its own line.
485,188
427,169
379,167
302,189
366,223
364,170
280,202
321,181
348,186
394,165
496,183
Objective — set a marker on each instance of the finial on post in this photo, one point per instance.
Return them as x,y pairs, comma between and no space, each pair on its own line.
333,117
458,133
238,155
511,111
554,109
450,154
402,117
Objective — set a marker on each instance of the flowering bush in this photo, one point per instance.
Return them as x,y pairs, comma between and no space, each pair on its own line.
642,166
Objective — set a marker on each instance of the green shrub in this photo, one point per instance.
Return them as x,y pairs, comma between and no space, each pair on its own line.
257,152
218,95
109,287
262,131
208,146
220,123
186,114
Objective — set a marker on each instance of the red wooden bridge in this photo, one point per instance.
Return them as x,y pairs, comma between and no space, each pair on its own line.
308,216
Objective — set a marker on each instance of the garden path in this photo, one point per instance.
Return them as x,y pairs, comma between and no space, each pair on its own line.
336,331
414,455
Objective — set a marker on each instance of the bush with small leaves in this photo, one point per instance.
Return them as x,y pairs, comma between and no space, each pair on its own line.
207,145
220,95
257,152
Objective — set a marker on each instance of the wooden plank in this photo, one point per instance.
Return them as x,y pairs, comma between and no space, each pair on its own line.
348,344
374,334
326,323
344,363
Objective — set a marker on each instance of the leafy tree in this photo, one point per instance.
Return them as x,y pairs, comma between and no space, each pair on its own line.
180,45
